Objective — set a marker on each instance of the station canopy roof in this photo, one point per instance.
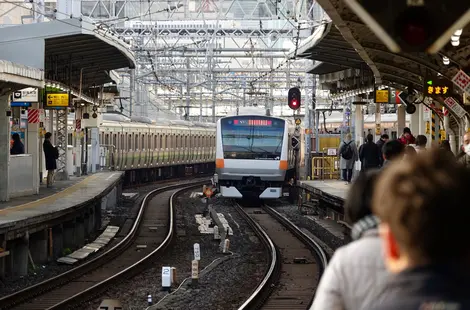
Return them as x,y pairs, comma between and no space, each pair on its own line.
69,51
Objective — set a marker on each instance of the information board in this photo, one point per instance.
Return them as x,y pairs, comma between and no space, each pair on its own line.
382,95
57,100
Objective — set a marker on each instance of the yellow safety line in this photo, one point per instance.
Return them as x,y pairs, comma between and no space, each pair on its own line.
50,198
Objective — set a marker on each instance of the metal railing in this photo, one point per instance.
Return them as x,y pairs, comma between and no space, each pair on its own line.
325,166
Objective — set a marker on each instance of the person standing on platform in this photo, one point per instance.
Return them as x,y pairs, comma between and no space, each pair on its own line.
380,143
392,150
369,154
51,154
407,138
421,142
348,157
18,147
464,157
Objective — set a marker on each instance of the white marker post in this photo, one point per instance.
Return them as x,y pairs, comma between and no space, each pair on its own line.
226,246
166,278
197,251
194,273
216,233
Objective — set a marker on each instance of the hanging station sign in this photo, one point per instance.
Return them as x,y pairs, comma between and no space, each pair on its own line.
437,87
56,100
382,96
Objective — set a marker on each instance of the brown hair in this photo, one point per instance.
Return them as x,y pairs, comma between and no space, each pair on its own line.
424,201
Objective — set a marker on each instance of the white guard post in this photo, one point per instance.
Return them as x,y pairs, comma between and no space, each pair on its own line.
197,252
166,278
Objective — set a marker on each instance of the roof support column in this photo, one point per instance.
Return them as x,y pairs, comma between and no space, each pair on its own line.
414,121
401,119
33,149
422,124
378,121
4,147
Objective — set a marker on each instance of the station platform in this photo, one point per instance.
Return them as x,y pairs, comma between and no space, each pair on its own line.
332,192
34,212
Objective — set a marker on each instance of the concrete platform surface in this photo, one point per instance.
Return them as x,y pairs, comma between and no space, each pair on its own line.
334,188
44,192
55,202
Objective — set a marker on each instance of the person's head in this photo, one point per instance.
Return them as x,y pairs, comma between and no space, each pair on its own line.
422,205
406,130
384,137
348,137
410,151
15,137
421,140
466,143
445,145
359,201
370,138
47,136
392,149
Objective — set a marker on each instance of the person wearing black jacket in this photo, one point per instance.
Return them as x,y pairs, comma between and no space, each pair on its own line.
18,146
51,153
380,143
369,154
422,204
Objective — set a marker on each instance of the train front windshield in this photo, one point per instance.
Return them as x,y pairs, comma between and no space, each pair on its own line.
252,137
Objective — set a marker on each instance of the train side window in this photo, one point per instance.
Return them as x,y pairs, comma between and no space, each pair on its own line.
129,142
143,146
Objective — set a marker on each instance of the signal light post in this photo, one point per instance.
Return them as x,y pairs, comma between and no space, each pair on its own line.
293,98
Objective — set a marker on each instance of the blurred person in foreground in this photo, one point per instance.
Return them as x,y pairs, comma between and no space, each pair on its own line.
380,143
356,273
464,157
423,207
409,152
392,150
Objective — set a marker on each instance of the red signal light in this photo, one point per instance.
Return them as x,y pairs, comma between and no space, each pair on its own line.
293,97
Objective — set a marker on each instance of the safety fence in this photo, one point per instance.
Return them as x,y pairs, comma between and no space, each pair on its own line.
325,165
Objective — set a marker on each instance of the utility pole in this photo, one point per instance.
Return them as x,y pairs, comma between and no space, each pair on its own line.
188,99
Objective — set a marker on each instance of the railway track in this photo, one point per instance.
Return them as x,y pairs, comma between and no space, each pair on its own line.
150,234
297,262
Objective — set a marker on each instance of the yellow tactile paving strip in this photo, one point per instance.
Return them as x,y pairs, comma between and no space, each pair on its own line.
52,198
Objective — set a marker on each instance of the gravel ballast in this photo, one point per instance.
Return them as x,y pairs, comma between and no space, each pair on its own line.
320,233
116,216
226,280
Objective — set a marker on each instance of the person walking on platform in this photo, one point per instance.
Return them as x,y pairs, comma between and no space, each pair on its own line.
51,154
356,274
18,146
407,138
348,156
464,157
423,208
392,150
369,154
380,143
